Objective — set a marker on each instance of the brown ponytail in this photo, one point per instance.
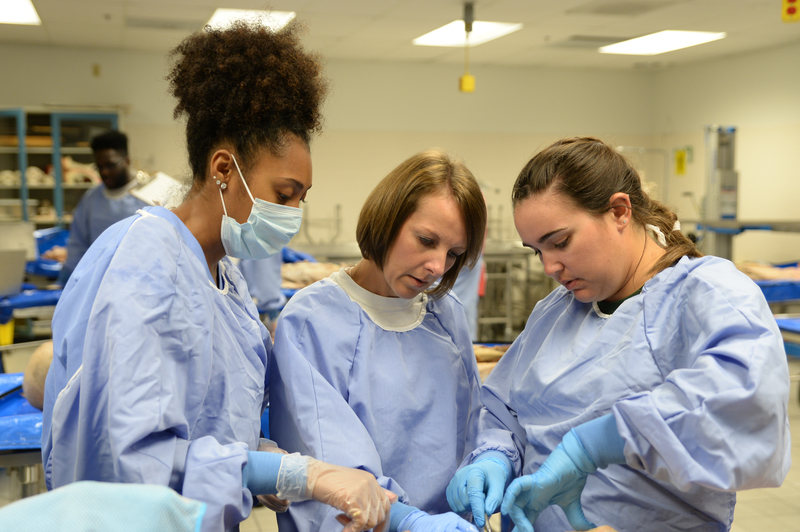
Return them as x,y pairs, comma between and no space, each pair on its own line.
589,171
678,244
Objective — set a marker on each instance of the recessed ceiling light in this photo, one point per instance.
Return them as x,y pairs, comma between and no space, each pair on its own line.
19,12
453,34
274,20
661,42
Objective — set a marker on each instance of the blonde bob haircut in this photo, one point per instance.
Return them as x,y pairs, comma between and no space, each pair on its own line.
397,196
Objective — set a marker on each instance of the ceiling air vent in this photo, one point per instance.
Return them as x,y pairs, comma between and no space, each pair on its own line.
625,9
163,24
586,41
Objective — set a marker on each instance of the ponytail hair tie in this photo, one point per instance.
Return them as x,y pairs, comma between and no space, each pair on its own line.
662,240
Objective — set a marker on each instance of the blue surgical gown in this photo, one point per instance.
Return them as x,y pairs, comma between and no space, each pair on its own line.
158,375
467,288
264,282
96,212
401,405
693,370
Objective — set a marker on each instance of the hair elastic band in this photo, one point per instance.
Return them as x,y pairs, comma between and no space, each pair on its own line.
662,240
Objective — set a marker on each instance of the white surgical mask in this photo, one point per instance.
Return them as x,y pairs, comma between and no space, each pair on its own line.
267,230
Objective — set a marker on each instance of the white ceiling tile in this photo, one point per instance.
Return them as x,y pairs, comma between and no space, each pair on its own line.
351,7
383,29
64,14
332,25
151,40
86,35
15,33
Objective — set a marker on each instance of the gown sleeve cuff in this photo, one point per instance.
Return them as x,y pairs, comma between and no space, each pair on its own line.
601,441
399,513
260,473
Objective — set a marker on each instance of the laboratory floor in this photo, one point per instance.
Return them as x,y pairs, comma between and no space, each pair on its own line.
756,510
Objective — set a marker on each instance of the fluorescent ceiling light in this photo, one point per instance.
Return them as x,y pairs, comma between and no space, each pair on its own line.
19,12
661,42
274,20
453,34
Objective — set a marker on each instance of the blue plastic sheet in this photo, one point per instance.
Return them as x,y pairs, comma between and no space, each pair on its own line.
733,230
44,268
780,290
20,423
48,238
27,299
292,255
789,324
288,292
9,381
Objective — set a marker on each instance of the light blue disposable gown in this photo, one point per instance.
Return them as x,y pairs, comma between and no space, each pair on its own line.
95,213
466,288
158,376
264,282
695,374
401,405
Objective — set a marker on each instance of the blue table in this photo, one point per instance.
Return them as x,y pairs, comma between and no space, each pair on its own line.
780,290
46,268
27,299
792,326
20,433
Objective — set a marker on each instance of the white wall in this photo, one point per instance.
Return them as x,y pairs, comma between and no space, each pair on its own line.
378,114
34,76
758,94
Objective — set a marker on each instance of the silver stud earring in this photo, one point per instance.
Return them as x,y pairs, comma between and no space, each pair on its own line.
223,186
624,221
218,181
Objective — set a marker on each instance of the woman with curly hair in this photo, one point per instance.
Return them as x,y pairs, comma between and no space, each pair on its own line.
160,360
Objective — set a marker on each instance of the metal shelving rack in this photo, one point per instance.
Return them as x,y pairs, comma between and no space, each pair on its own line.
514,284
88,123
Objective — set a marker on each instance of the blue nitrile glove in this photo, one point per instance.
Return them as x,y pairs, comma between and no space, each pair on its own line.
419,521
478,487
562,476
260,473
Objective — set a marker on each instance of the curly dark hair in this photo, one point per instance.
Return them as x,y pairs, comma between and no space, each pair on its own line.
248,85
111,140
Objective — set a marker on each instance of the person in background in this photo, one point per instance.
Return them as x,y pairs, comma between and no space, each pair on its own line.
160,362
107,203
264,284
373,367
645,390
467,288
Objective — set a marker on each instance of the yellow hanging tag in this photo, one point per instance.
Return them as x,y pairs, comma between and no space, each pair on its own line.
791,11
680,162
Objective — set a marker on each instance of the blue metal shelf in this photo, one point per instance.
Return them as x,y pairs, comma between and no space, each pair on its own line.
57,118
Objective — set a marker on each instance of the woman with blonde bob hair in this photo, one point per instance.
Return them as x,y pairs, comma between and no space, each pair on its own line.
375,363
646,389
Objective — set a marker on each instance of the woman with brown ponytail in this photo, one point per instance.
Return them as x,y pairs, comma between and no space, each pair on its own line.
647,389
